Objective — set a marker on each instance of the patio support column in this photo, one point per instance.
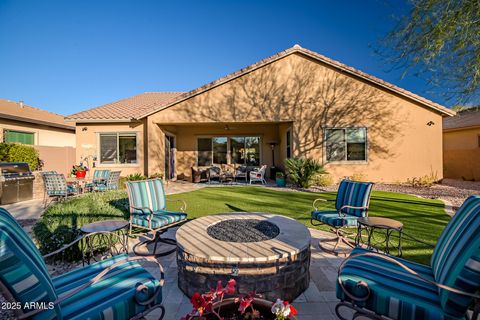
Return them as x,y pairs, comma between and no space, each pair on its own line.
154,148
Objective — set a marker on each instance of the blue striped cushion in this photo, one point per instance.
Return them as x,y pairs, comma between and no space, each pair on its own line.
22,269
146,194
112,297
159,219
333,219
456,258
100,187
395,293
355,194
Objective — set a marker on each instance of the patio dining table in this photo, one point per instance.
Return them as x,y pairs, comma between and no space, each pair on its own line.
79,182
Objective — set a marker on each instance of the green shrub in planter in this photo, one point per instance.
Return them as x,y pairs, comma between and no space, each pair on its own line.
302,171
280,179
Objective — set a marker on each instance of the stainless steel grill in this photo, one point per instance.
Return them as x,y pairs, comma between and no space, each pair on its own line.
16,182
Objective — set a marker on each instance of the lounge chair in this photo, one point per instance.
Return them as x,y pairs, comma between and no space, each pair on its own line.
377,285
111,183
258,175
352,202
214,173
56,186
116,288
147,203
240,172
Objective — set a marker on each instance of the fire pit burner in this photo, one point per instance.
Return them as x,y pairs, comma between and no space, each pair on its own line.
243,230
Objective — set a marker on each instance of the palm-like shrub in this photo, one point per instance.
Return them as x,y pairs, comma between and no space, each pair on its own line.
302,171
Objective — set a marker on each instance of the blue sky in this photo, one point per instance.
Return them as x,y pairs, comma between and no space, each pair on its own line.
66,56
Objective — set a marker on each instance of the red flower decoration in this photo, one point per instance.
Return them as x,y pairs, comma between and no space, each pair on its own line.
230,288
293,311
197,300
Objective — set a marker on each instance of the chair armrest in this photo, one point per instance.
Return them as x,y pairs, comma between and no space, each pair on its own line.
315,201
400,264
81,237
99,277
184,204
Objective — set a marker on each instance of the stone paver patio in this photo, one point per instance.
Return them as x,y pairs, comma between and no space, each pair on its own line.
317,302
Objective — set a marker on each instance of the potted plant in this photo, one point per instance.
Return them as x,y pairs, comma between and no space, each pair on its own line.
79,171
280,179
214,306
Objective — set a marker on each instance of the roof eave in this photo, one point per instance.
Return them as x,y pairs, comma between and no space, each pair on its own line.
36,121
89,120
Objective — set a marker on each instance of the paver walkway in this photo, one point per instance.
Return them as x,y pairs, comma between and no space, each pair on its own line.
317,302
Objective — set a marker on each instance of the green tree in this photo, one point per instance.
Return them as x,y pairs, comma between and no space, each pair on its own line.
439,39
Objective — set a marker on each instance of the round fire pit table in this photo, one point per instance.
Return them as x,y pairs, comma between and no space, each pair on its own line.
265,253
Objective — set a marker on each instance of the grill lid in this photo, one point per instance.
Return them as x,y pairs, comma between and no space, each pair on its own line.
14,169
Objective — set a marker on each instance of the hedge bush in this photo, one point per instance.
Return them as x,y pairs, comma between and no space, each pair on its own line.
13,152
60,223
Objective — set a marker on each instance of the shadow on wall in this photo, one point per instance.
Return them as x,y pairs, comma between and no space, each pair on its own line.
313,97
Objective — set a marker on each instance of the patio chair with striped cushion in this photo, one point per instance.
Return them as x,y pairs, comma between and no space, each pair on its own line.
116,288
352,202
56,186
110,184
147,203
99,177
378,285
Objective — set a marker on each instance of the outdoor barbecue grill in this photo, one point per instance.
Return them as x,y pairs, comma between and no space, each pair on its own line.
16,182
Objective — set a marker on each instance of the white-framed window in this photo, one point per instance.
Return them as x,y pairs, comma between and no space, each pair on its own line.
243,150
346,144
118,148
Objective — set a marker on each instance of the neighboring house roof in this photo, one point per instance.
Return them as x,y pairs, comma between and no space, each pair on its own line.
128,108
464,119
131,111
19,111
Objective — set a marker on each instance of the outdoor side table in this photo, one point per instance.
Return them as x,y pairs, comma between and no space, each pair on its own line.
373,226
107,234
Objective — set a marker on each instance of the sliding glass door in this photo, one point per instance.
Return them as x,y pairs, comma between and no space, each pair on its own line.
228,150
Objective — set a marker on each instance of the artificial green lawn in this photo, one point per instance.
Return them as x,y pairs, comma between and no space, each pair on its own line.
422,218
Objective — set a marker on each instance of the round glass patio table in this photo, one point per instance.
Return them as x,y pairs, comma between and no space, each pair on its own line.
104,234
378,233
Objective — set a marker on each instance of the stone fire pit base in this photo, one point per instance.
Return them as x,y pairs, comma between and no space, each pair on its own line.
275,268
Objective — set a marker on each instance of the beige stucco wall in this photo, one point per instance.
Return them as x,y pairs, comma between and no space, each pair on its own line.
88,145
312,96
462,153
43,135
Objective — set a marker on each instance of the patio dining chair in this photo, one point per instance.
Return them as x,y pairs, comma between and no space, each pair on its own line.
99,177
147,204
353,199
116,288
376,285
56,187
111,183
258,175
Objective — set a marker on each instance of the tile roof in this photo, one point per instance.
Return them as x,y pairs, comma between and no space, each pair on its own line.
463,119
126,109
21,112
138,107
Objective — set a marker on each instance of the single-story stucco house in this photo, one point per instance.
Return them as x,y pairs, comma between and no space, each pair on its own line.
297,102
461,145
48,132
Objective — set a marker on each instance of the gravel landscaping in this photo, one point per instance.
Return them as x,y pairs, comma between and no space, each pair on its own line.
451,191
